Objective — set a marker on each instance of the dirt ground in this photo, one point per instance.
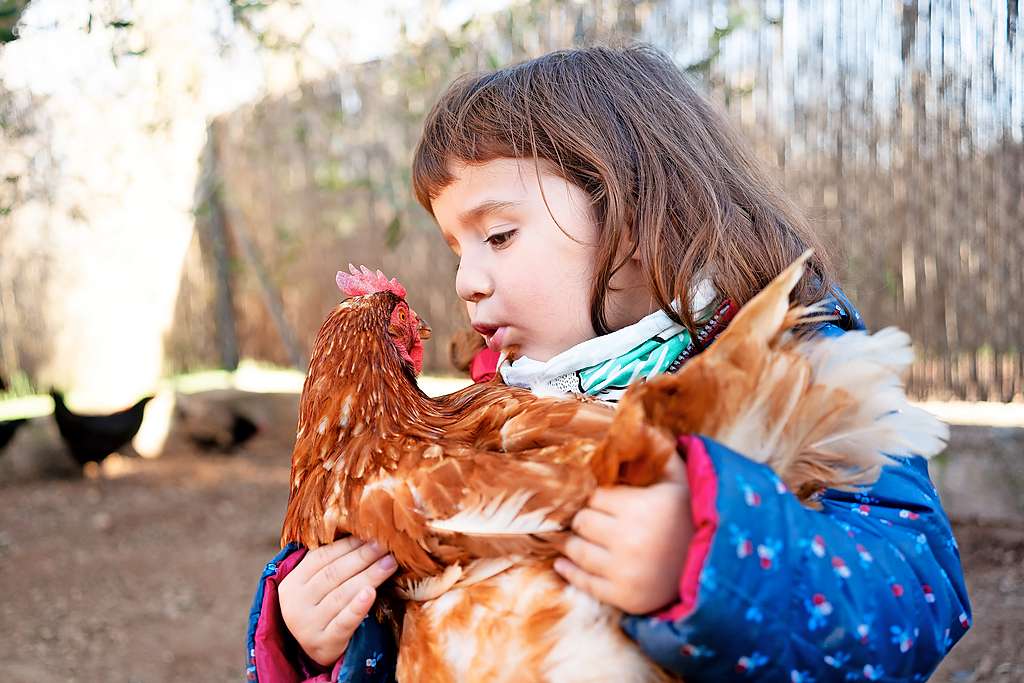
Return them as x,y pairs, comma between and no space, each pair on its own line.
146,574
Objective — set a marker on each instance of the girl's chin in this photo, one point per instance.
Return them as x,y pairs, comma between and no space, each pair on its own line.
518,347
533,353
541,352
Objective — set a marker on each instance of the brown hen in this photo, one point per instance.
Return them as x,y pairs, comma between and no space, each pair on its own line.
474,492
474,512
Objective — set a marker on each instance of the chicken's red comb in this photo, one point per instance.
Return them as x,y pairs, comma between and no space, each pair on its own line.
365,281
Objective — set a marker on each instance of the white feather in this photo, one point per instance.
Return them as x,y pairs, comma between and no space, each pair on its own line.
431,587
483,569
871,367
845,360
383,481
499,516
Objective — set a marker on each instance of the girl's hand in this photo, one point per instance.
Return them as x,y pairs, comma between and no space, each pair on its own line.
630,544
329,592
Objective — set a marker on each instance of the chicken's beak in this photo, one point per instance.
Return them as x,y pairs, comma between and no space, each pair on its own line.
424,329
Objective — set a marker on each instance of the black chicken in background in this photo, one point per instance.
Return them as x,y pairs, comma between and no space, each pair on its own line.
91,438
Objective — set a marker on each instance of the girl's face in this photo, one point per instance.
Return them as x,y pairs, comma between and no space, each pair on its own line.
527,283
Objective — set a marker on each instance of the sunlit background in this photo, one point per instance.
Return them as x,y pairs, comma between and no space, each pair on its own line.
179,182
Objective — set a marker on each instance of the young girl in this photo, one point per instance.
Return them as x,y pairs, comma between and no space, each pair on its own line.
607,221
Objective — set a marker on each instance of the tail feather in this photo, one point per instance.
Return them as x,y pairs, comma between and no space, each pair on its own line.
845,359
820,312
856,414
870,368
852,414
823,412
765,316
818,448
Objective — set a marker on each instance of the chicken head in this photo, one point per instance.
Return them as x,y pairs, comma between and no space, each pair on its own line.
406,329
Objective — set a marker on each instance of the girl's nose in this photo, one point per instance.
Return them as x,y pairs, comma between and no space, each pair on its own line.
472,284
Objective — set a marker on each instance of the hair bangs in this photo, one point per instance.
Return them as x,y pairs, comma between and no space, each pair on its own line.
476,120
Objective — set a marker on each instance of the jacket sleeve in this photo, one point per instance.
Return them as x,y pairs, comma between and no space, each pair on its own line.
273,655
869,587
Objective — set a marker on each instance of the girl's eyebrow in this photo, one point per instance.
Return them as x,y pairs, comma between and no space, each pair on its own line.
484,209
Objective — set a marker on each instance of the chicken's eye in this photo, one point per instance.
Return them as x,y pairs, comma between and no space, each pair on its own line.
401,315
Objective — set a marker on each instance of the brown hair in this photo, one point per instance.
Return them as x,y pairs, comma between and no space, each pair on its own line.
666,174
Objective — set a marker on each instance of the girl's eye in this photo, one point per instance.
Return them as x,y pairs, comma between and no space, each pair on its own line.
500,239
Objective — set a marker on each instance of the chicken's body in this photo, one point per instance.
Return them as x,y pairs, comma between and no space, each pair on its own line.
474,492
398,466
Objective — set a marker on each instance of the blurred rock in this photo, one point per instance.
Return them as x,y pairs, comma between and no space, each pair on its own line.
981,474
223,420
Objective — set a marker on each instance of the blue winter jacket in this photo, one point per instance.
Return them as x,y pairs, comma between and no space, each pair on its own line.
869,587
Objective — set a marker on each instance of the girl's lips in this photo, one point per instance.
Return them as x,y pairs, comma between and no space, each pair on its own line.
496,339
493,335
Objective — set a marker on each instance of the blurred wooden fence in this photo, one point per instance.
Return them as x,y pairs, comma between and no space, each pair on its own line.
898,126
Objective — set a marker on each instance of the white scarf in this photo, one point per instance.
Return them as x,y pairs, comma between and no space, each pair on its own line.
604,366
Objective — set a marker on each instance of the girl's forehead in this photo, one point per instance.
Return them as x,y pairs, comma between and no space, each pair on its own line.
498,175
512,191
490,186
478,191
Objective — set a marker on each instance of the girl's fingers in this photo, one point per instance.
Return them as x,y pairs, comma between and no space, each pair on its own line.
370,577
315,560
345,623
588,556
610,499
594,526
675,470
340,570
596,586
